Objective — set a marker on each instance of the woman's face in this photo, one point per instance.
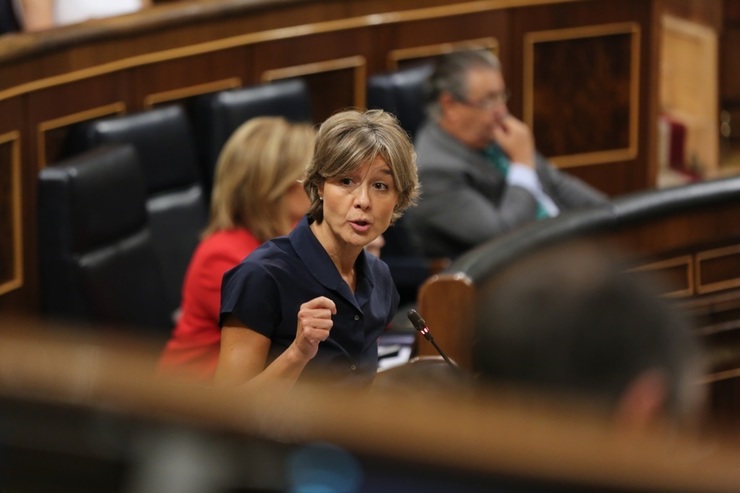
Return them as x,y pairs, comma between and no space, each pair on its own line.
359,207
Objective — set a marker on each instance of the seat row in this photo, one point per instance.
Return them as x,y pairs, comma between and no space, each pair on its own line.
128,201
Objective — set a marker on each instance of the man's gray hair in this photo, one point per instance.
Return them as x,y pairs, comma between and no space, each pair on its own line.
450,75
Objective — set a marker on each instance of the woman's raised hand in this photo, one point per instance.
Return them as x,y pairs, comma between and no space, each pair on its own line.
314,324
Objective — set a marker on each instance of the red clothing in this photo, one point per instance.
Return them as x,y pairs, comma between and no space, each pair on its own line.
193,348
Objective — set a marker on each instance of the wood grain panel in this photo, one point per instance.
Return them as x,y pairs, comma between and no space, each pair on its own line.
406,57
332,84
718,269
11,246
52,133
182,94
53,110
181,78
336,72
458,29
677,273
688,90
457,310
613,177
708,227
581,92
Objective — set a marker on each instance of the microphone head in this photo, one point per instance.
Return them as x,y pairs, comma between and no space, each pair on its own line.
416,320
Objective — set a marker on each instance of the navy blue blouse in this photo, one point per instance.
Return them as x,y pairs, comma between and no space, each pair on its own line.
265,292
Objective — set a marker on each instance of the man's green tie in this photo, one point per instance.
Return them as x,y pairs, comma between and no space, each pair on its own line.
497,158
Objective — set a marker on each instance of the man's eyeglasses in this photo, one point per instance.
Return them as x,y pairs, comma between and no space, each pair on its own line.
488,102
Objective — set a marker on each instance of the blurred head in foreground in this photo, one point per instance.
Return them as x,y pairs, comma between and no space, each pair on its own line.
572,321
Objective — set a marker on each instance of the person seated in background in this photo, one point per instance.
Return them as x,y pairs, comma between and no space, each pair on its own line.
36,15
479,170
314,302
572,322
257,195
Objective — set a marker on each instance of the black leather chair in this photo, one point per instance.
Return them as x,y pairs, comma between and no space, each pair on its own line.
408,269
176,200
97,260
216,116
402,93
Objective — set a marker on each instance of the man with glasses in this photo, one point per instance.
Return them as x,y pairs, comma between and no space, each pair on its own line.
479,170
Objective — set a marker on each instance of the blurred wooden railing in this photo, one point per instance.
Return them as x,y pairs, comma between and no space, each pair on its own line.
95,398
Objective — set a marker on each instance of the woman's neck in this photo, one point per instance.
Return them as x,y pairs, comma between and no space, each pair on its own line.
342,255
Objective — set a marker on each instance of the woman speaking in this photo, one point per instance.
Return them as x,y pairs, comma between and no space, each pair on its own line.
314,301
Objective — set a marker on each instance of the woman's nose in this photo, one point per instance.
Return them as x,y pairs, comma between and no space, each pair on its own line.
362,197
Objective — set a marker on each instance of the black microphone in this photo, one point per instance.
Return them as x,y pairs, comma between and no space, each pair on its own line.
420,325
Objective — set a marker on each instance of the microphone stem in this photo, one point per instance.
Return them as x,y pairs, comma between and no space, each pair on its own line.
442,353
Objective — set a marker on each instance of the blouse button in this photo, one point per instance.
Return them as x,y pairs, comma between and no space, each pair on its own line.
357,317
353,367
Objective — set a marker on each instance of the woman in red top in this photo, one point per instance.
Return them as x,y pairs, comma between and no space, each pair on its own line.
257,195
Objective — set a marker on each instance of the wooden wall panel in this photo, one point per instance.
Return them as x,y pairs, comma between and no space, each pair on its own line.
718,269
624,174
51,111
332,84
181,78
453,30
170,53
11,248
677,272
586,114
401,58
336,72
689,90
15,232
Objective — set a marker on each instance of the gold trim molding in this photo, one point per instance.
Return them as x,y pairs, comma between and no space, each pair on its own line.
118,108
401,54
599,157
186,92
686,261
16,281
357,63
713,287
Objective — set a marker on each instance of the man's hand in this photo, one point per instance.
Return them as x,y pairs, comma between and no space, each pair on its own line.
516,140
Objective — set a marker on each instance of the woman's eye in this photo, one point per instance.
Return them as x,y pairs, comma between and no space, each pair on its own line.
346,181
381,186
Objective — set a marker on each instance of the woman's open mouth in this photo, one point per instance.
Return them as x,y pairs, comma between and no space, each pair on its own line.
360,226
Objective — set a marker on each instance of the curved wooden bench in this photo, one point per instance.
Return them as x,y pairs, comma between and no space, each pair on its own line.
689,234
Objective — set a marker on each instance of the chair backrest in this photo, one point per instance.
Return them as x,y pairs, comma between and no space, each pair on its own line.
96,256
164,143
216,116
408,269
402,93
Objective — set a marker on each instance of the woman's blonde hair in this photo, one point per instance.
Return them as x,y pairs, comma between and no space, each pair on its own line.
262,159
351,138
